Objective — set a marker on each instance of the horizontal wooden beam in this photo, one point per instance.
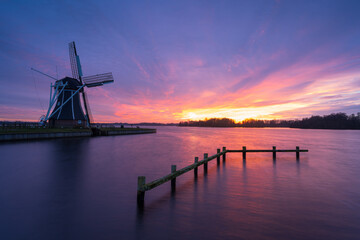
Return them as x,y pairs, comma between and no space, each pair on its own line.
142,186
300,150
153,184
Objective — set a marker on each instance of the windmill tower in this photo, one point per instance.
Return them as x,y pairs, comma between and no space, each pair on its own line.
65,109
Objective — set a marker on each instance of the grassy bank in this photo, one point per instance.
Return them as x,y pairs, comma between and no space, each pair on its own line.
40,130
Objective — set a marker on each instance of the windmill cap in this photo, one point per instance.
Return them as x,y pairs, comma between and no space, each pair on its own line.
72,83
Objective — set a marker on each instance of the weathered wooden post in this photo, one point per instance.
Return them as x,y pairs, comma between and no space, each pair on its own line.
173,181
224,155
206,163
274,153
297,153
244,153
218,158
196,169
141,190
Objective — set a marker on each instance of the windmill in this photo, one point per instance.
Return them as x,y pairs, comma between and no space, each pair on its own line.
65,108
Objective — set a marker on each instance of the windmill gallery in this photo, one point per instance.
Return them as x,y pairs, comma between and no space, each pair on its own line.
69,114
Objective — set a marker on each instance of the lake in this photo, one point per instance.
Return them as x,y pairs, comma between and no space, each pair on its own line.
85,188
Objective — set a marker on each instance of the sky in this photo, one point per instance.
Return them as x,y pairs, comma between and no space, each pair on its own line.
185,60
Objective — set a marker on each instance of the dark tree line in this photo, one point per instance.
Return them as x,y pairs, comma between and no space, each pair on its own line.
332,121
212,122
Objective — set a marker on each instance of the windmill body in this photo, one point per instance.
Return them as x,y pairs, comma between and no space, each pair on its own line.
71,113
65,108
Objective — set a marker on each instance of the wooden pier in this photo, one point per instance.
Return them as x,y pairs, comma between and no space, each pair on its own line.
143,186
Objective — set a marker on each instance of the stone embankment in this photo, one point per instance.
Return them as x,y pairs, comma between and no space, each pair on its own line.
52,133
33,136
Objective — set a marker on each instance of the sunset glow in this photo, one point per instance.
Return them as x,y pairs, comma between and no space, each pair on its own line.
239,114
186,61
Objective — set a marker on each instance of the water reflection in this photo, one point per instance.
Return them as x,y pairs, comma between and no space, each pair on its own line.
64,186
86,188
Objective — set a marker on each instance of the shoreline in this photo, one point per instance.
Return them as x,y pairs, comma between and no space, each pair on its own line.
45,133
274,127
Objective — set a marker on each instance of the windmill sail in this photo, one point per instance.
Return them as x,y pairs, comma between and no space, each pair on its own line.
87,108
98,80
75,62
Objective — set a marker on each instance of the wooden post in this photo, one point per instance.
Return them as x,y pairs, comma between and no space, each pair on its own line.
196,169
297,153
140,190
224,155
274,153
244,153
173,181
206,163
218,158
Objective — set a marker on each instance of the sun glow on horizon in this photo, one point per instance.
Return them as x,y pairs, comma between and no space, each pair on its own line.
240,114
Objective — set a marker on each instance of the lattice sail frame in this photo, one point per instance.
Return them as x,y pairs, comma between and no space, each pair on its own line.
98,79
89,81
75,62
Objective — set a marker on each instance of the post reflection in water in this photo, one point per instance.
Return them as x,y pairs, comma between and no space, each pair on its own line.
85,188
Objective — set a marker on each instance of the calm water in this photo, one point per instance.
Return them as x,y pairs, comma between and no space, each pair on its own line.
85,188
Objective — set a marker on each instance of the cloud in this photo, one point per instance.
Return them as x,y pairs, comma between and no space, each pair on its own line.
174,61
